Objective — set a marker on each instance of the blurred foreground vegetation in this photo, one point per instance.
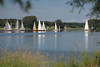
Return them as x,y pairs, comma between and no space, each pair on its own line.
28,59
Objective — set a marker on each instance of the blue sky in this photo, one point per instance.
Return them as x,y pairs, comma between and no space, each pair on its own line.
49,10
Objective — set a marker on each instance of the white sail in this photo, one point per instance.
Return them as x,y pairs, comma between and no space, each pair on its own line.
17,25
43,27
22,26
56,28
39,26
59,28
7,26
65,28
86,26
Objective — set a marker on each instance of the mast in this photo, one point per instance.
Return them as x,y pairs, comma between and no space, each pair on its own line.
86,26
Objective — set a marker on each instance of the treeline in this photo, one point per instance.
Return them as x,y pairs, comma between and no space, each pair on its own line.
28,21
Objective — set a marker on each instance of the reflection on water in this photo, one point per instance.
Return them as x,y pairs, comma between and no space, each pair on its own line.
22,31
55,41
17,31
86,40
34,41
7,31
41,41
51,41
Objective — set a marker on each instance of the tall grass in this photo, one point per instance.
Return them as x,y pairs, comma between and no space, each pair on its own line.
28,59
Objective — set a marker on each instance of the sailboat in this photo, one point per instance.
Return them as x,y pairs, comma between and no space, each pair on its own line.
65,28
34,27
22,27
43,27
39,26
59,28
56,28
86,26
17,25
7,27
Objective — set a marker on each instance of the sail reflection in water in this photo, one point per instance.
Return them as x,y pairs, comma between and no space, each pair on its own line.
7,31
86,40
55,41
52,41
34,41
41,41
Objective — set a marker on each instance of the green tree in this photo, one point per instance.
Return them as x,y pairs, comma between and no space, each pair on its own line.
29,21
58,22
94,24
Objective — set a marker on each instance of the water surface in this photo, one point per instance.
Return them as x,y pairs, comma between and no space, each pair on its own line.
51,42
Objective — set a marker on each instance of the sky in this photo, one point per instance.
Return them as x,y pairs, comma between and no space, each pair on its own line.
46,10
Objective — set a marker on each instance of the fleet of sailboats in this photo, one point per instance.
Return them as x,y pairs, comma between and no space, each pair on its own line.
41,27
17,26
8,27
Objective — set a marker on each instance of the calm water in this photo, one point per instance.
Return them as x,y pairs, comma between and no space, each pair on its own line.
74,41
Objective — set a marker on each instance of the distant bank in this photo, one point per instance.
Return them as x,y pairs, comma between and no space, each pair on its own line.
28,21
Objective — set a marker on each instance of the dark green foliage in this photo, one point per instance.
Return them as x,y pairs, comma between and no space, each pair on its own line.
94,24
74,24
1,2
29,21
95,9
11,21
2,22
24,4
